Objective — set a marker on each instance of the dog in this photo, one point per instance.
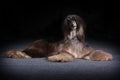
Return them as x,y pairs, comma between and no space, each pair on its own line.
73,46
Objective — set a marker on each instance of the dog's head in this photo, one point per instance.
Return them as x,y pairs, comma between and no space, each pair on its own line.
74,27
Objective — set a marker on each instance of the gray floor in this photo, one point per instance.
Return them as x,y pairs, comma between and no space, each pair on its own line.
42,69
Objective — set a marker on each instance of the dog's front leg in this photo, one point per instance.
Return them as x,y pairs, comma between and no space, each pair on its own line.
61,57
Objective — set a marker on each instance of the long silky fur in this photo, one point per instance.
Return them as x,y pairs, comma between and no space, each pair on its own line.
72,46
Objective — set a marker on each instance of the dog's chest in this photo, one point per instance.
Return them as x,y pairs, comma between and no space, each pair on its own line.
74,47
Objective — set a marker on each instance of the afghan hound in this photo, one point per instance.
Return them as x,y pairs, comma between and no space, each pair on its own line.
73,46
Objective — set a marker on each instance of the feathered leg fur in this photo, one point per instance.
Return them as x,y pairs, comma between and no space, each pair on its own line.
96,55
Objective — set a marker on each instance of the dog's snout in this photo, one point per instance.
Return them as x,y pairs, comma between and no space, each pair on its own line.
74,23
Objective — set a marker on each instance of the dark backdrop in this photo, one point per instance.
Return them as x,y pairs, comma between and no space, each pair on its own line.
30,20
35,20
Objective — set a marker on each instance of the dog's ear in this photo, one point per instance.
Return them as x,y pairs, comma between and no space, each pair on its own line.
80,28
80,33
66,31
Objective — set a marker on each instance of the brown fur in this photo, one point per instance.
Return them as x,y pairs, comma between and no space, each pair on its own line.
72,46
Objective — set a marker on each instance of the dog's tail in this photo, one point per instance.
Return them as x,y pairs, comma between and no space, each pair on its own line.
16,54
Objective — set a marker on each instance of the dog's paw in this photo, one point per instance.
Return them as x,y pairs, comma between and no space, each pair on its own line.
100,55
17,54
61,58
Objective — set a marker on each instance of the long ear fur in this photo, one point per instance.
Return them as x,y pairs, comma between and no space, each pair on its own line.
80,30
80,34
66,31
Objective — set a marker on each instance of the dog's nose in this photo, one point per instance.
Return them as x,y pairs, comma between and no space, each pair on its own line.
74,24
